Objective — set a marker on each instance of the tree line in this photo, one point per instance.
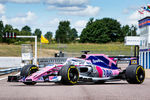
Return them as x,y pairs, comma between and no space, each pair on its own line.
106,30
96,31
26,31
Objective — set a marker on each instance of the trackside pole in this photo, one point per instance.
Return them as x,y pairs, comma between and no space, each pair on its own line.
35,59
35,37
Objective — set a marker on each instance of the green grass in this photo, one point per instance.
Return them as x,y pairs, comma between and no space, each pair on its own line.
10,50
73,49
108,49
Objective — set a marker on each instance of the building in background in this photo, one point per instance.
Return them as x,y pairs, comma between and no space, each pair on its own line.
143,41
144,52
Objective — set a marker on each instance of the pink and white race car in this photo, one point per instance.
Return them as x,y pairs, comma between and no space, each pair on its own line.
97,68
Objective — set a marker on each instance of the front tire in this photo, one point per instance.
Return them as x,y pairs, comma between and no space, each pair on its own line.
135,74
28,70
70,74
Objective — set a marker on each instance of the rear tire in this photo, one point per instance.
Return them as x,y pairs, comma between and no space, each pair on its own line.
28,70
70,74
135,74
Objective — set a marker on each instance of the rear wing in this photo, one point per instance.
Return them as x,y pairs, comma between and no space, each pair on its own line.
131,59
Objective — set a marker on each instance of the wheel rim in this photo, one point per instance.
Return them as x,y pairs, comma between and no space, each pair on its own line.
73,75
140,75
33,69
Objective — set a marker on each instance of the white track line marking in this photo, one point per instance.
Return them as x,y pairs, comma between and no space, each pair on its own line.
3,78
18,74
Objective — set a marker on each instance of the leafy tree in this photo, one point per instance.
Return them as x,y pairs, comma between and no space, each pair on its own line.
17,32
91,20
133,31
1,30
101,31
114,28
63,32
26,30
38,33
8,29
48,35
125,31
73,34
129,31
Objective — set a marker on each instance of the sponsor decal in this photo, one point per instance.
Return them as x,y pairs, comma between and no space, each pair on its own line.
72,67
34,67
107,73
133,62
87,63
41,79
96,61
54,77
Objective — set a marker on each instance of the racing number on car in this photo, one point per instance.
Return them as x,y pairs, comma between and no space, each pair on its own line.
107,73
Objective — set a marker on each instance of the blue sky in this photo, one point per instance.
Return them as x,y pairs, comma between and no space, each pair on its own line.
46,14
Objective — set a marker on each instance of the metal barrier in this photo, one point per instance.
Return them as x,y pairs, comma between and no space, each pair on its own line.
9,70
42,63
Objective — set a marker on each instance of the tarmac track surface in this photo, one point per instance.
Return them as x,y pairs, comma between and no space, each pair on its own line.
120,90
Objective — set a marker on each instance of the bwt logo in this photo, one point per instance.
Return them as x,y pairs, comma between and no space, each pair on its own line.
96,61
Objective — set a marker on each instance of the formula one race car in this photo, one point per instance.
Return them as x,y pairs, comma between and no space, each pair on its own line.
97,68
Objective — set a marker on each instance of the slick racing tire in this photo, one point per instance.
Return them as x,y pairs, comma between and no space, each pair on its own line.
69,74
135,74
28,70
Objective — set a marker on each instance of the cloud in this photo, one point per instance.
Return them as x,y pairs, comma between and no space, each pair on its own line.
20,1
73,7
27,19
88,11
67,7
135,16
2,9
54,22
66,3
80,23
126,11
129,9
51,2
